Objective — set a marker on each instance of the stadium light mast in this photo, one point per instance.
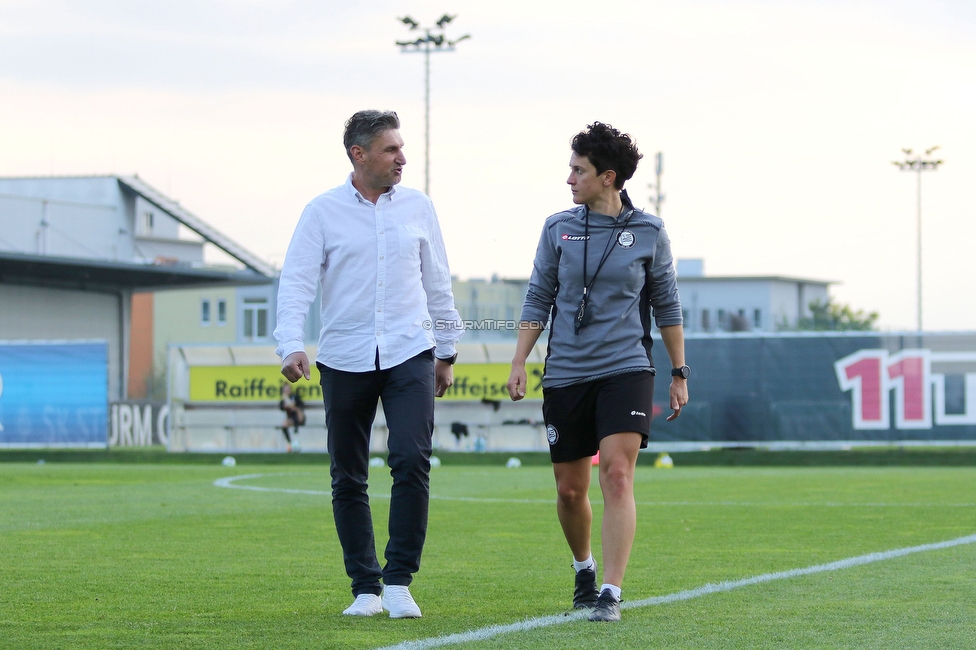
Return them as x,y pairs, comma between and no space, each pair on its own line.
433,40
918,164
657,198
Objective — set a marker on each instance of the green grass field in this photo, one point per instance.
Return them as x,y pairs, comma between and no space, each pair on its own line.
108,555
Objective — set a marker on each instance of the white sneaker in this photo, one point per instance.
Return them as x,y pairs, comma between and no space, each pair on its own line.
364,605
398,601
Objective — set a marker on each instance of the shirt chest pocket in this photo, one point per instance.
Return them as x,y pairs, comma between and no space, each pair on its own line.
410,238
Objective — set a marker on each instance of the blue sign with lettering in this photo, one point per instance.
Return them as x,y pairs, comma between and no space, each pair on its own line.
54,394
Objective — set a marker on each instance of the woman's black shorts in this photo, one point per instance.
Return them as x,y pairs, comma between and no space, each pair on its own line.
579,416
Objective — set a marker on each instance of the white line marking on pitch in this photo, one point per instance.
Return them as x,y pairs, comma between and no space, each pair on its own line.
229,482
547,621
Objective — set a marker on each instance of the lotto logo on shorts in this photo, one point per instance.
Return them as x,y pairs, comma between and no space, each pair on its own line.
640,413
552,434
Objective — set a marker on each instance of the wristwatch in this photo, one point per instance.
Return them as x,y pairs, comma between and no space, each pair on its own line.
684,372
450,360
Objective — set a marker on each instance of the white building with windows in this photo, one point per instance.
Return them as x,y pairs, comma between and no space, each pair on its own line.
744,303
709,303
81,258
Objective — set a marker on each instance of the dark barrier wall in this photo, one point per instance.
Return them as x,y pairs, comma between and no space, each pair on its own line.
138,423
823,387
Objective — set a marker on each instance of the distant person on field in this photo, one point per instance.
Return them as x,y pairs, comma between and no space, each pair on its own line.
294,407
602,271
389,329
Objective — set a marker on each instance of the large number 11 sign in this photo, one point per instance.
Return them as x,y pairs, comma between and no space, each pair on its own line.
872,375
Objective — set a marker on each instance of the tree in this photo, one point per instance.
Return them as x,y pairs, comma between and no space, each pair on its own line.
830,316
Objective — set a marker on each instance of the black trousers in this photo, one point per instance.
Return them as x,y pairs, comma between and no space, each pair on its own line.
407,393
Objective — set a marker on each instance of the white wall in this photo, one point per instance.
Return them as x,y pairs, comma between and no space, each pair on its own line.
65,217
39,314
778,300
88,217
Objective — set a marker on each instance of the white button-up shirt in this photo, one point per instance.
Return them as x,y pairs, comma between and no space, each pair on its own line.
384,276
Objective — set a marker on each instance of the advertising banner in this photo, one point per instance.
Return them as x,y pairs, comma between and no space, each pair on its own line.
138,423
53,394
489,381
825,387
240,384
795,387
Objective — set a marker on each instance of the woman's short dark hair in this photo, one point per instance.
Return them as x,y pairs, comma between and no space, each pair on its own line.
362,127
608,148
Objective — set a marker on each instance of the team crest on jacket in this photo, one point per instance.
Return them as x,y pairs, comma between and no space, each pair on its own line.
626,239
552,435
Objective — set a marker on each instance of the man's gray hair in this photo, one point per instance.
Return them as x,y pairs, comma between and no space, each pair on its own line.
364,126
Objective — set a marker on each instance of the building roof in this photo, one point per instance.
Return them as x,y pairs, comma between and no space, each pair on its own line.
752,278
196,224
94,274
101,275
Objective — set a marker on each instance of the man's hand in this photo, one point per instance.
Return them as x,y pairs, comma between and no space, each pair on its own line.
295,366
443,377
679,396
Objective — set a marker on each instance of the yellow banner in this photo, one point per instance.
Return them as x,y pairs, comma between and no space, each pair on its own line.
472,381
246,384
478,381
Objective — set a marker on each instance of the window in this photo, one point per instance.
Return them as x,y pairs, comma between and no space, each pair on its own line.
148,219
722,319
221,312
255,318
205,312
757,318
706,324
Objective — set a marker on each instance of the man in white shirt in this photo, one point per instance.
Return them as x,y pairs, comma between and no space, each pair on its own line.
376,252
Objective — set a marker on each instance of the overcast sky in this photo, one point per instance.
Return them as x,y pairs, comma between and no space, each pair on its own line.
778,119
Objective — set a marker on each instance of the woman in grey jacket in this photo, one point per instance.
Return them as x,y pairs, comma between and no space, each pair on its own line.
602,270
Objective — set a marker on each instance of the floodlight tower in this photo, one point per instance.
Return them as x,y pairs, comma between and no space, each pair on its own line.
658,197
918,164
433,40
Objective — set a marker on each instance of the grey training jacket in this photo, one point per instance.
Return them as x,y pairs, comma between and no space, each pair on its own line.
637,280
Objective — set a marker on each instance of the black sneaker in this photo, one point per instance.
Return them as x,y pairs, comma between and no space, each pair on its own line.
586,592
607,608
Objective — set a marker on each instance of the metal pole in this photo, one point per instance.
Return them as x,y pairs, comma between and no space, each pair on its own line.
658,197
427,116
917,164
919,240
429,43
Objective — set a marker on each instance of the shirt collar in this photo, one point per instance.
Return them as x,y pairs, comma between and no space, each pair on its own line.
355,193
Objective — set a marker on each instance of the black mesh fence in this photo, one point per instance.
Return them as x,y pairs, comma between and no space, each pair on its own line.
824,387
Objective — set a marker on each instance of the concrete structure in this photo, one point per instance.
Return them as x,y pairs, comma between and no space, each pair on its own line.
205,425
73,250
710,303
744,303
218,315
490,308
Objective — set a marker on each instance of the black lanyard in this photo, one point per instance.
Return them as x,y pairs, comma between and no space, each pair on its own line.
582,317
